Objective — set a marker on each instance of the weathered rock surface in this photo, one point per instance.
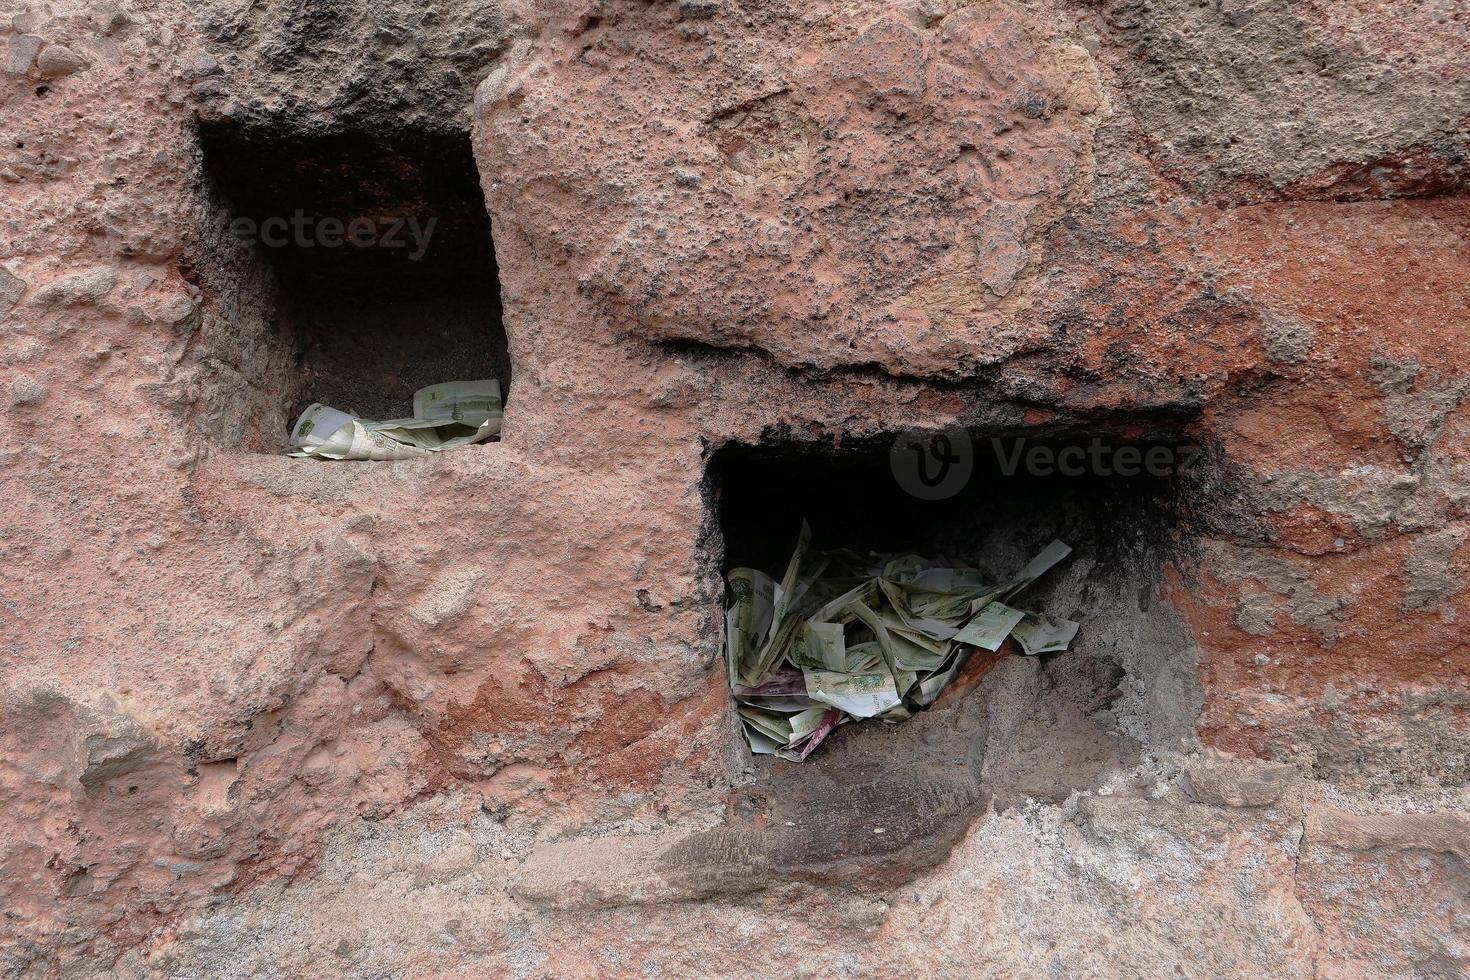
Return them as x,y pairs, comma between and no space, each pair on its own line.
467,714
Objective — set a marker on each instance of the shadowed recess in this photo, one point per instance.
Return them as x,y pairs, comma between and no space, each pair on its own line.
877,803
1006,507
382,253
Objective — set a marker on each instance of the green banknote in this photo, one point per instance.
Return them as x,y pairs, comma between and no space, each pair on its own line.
845,637
446,416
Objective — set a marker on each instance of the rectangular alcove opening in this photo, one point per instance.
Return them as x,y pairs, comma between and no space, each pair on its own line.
1029,727
1011,504
380,257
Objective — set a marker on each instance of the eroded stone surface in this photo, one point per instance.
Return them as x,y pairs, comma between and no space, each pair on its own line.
261,715
1259,100
867,187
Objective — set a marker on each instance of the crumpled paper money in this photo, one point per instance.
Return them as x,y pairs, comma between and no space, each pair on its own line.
844,637
445,416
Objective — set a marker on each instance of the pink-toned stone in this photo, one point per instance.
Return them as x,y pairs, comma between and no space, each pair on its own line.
263,715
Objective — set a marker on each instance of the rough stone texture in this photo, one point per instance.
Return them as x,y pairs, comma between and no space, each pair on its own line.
1265,99
466,715
868,190
336,63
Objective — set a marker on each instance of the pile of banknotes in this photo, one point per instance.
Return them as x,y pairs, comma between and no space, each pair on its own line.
445,416
844,636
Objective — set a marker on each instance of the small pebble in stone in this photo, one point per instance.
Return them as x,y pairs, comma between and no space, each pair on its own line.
12,287
82,287
17,56
199,66
58,60
24,391
1262,660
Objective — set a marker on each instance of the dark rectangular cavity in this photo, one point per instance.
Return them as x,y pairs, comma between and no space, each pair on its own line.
413,298
1030,728
852,499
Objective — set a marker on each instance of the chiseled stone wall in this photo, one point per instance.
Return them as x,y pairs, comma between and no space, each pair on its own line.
259,715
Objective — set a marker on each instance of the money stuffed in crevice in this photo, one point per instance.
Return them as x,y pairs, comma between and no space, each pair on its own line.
844,637
445,416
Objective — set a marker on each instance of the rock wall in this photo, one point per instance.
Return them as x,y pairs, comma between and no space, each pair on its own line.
265,716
